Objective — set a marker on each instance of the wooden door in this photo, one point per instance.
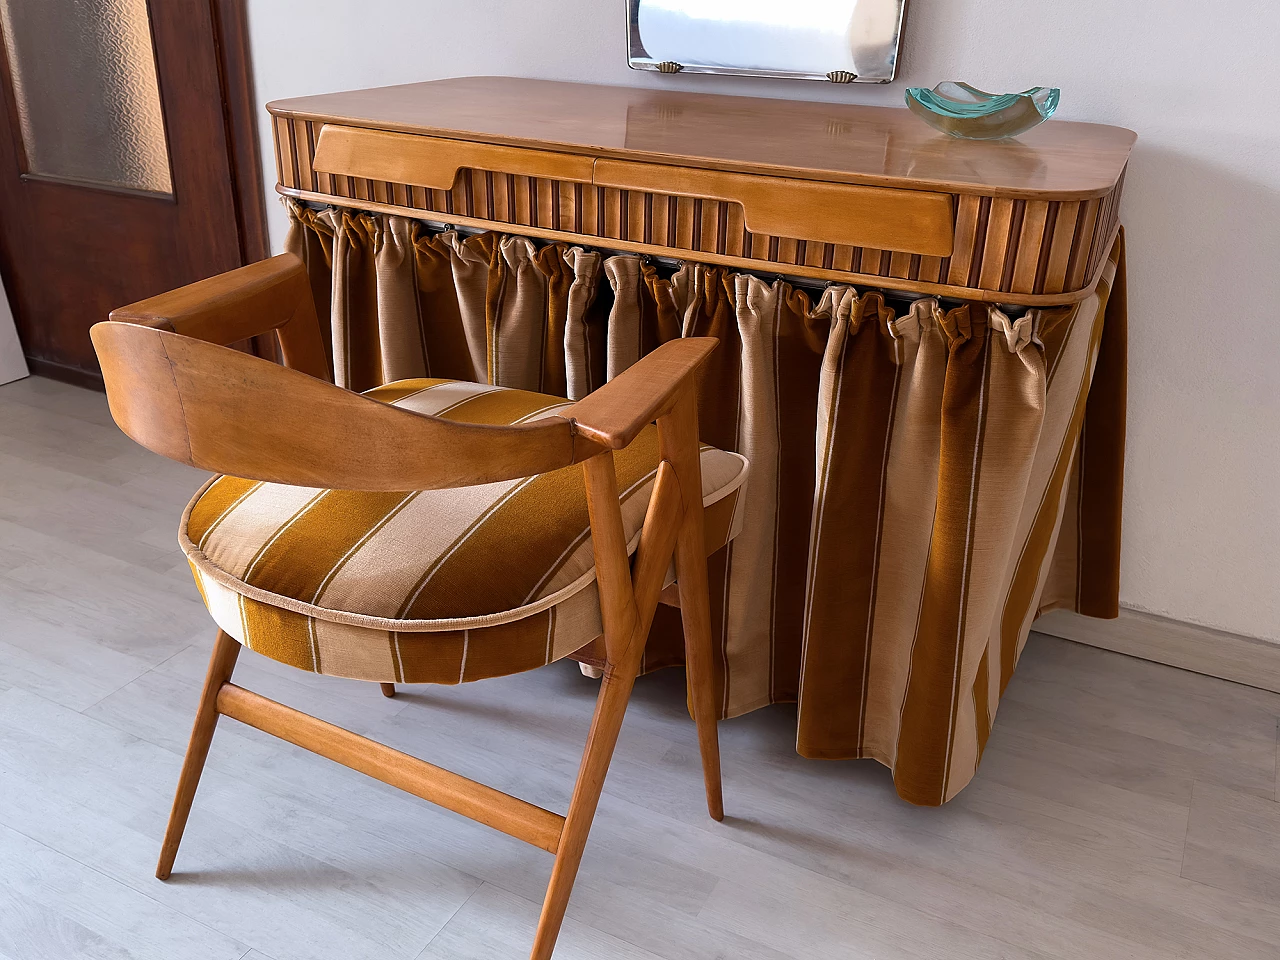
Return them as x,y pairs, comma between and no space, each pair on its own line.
127,124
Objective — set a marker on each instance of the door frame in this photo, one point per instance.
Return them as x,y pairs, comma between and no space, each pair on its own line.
230,22
240,109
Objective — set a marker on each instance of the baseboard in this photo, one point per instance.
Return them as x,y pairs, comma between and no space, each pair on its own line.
53,370
1255,663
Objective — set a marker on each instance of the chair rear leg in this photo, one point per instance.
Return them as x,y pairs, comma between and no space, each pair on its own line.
700,658
611,705
678,441
221,663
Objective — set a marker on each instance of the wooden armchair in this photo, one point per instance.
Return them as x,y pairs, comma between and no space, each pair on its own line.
425,532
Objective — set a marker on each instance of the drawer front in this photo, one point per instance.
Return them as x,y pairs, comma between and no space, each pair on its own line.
434,162
903,221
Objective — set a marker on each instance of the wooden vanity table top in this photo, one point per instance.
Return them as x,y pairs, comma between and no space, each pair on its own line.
844,192
850,143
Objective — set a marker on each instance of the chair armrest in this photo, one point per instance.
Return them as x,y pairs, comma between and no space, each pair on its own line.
618,411
270,295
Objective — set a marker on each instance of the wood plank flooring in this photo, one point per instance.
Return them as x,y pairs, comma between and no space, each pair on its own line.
1123,809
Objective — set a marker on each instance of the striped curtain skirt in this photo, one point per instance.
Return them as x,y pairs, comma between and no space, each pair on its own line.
926,477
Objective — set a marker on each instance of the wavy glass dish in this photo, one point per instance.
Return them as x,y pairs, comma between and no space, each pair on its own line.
963,111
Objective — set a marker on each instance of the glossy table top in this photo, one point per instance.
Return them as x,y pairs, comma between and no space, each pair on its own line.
1059,160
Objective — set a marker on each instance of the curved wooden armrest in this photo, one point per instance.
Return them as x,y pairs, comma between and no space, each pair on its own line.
618,411
270,295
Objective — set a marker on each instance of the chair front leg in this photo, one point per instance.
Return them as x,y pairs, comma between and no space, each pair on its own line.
627,605
221,664
611,706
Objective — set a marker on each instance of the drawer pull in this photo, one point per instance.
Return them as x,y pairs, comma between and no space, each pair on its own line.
882,218
434,162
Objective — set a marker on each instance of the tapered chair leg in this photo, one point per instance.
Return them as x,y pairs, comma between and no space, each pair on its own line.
700,665
678,441
611,706
627,604
388,689
221,663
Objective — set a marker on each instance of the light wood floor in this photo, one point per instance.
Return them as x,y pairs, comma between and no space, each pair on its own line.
1123,809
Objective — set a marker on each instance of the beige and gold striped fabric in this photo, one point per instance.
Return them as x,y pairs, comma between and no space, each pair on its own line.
433,586
926,477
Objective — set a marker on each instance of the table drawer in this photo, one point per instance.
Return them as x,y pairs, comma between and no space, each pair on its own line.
906,221
434,162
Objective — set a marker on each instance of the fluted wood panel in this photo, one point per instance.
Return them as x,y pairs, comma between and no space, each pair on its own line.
1034,251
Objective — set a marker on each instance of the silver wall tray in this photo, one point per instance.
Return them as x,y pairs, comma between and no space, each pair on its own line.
840,41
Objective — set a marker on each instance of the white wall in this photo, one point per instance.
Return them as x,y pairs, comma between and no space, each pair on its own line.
1202,207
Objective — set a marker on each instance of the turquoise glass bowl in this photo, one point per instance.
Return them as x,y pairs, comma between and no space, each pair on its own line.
960,110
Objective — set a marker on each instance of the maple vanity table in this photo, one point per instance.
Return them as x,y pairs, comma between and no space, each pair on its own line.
922,355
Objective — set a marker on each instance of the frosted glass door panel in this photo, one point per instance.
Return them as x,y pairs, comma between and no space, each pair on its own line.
84,79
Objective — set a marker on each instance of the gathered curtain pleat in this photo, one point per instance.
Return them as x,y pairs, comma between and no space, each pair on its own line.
923,484
398,302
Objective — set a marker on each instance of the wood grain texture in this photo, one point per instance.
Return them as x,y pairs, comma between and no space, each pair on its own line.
286,151
917,221
995,248
808,219
627,604
1066,215
433,161
515,817
270,296
848,143
1082,243
678,445
759,252
971,230
648,390
221,664
202,404
1029,244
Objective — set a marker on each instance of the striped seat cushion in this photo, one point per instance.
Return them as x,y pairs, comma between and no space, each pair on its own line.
432,586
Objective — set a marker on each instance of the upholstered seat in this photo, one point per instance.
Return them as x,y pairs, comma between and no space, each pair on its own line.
431,586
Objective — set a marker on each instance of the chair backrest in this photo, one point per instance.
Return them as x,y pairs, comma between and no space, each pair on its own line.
270,296
222,410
